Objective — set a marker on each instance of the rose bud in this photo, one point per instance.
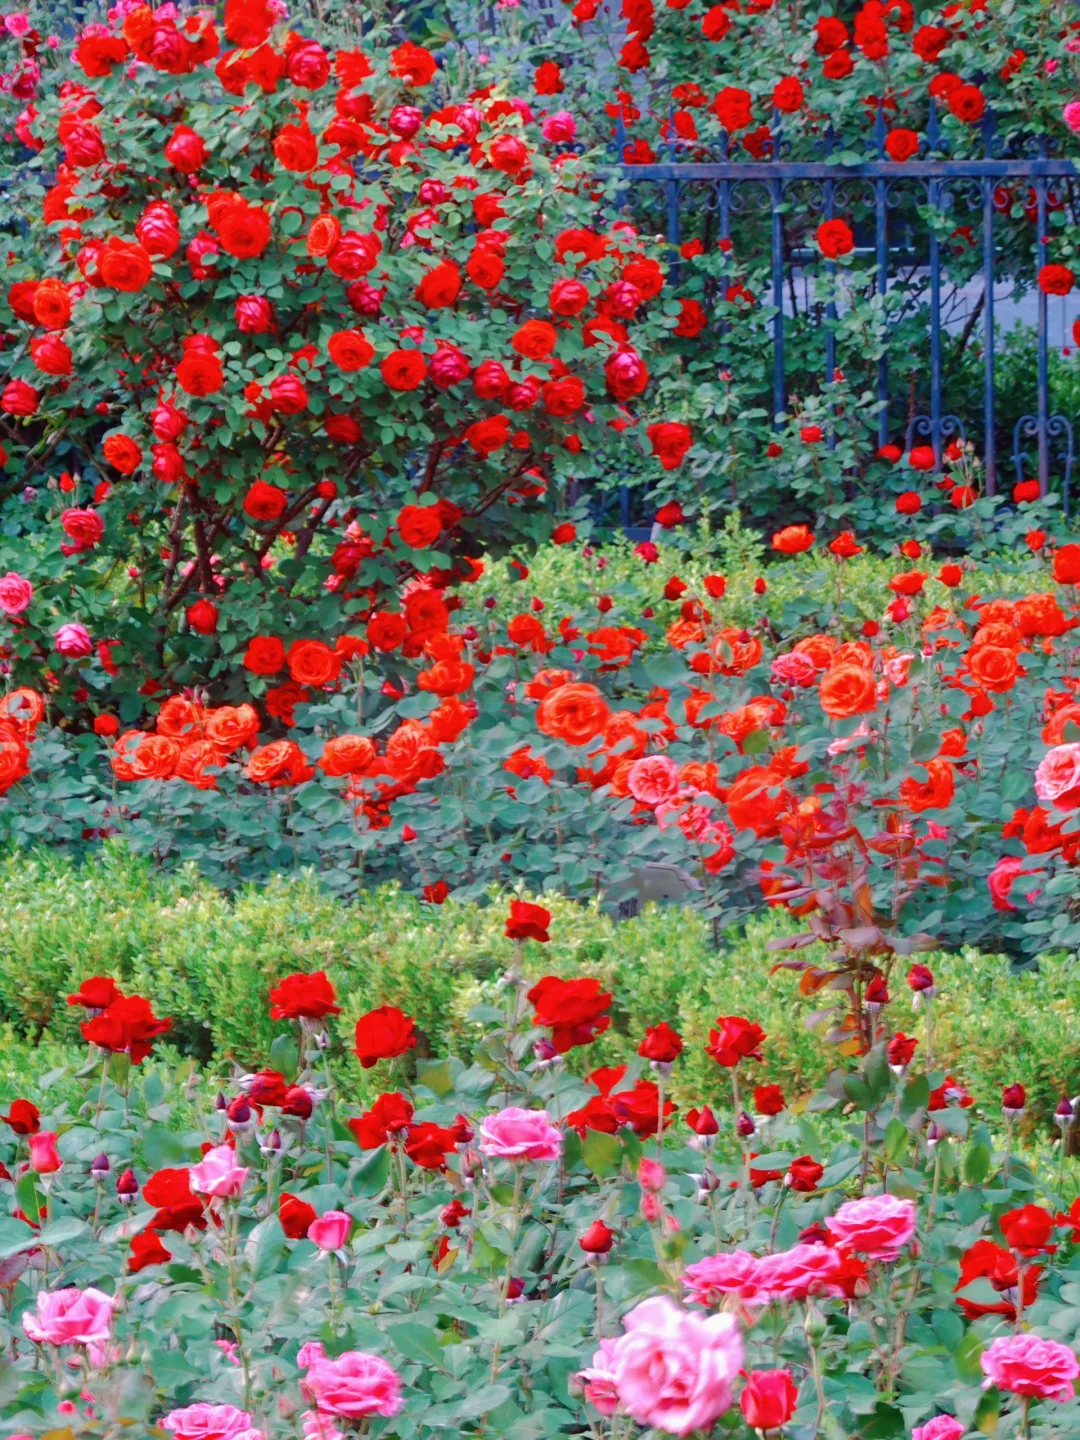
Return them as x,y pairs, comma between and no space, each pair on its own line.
651,1207
769,1399
1065,1113
921,984
704,1125
127,1187
745,1127
1013,1100
768,1100
44,1156
899,1051
271,1144
661,1046
546,1055
452,1215
515,1289
934,1133
876,995
99,1166
803,1175
238,1113
297,1103
597,1239
651,1175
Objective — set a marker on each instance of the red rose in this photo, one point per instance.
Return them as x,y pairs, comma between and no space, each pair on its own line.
202,616
124,266
199,373
18,398
388,1118
419,525
146,1249
901,145
384,1034
834,239
661,1043
303,997
185,150
23,1116
574,1010
733,108
1028,1230
264,501
736,1039
295,1215
1055,280
244,231
788,95
527,922
535,339
288,395
265,655
968,104
563,397
412,64
313,663
169,1191
487,436
440,287
128,1025
670,440
403,370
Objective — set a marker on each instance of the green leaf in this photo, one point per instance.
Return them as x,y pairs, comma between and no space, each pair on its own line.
977,1164
602,1154
417,1342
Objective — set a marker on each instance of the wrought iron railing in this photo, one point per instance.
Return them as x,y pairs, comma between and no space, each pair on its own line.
1042,441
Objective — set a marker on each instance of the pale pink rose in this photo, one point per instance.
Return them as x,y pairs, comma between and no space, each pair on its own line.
597,1382
653,780
70,1317
560,128
1027,1365
73,640
319,1427
896,669
941,1427
330,1231
793,668
218,1173
673,1370
708,1281
878,1226
211,1422
516,1134
861,733
353,1385
1057,780
16,592
310,1354
1071,113
797,1273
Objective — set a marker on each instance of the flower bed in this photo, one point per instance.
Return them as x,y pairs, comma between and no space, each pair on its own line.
508,1246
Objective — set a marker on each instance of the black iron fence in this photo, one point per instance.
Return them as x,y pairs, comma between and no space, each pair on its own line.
893,201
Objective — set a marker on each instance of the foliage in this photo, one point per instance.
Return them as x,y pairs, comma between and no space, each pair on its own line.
469,1251
206,959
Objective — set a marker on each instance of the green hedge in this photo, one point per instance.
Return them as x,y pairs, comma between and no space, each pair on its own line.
209,960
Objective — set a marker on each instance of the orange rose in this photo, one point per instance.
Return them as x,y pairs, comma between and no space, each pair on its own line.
180,719
575,713
155,758
935,793
819,648
282,762
229,727
313,663
193,762
14,758
756,801
23,709
847,690
993,667
347,755
792,539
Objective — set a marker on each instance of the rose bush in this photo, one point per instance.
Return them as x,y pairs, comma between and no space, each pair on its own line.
515,1242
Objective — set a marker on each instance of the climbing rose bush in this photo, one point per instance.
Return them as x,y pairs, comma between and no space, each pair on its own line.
528,1243
291,327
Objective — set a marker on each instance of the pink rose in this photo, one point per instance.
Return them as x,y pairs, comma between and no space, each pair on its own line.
653,780
319,1427
794,668
1057,780
516,1134
16,592
1071,113
708,1281
351,1385
73,640
941,1427
799,1272
218,1173
597,1382
211,1422
1000,879
1026,1365
44,1156
559,128
878,1226
673,1370
330,1231
70,1317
